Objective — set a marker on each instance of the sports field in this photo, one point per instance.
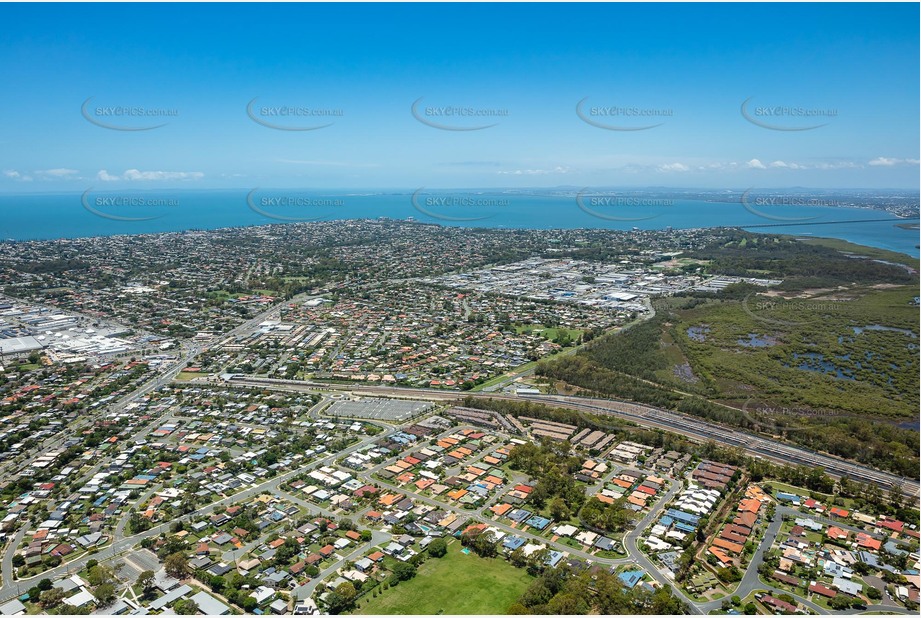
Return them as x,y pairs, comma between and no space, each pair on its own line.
457,583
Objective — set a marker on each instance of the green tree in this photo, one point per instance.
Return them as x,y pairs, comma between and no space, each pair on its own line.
729,574
536,594
145,582
404,571
100,575
177,565
104,593
342,598
217,583
438,548
51,598
558,509
185,607
565,603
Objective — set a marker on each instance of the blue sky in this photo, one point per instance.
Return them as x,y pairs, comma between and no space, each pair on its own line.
686,68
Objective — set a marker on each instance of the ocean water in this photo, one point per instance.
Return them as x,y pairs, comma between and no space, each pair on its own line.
48,216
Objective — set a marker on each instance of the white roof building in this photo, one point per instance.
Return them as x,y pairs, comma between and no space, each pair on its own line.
84,597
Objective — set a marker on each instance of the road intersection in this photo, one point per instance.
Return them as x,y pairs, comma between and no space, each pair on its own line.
121,544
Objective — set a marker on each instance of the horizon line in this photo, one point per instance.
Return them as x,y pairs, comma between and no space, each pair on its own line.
411,189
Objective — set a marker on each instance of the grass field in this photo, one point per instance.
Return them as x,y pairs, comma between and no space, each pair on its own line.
185,376
458,583
826,499
548,333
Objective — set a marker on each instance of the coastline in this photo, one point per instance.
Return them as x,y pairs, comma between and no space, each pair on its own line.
48,217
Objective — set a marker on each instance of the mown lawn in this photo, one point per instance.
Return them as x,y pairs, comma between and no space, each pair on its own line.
458,583
185,376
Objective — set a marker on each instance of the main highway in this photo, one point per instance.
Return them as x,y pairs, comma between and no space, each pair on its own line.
642,415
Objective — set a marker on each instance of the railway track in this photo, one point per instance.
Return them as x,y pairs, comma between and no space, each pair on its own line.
648,416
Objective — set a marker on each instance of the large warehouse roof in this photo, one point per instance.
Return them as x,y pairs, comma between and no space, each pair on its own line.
19,345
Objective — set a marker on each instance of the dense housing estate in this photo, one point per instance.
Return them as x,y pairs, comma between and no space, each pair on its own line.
234,434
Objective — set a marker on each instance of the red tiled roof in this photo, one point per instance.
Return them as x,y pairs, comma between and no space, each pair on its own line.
892,524
822,590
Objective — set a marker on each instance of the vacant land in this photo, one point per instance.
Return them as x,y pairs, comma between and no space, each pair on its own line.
828,359
458,583
857,357
552,334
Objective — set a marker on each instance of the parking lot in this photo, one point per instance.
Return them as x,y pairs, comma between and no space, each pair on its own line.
380,409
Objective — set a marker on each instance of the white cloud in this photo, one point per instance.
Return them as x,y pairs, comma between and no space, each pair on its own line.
15,175
785,165
58,172
718,166
837,165
138,175
329,163
535,172
673,167
891,161
792,165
